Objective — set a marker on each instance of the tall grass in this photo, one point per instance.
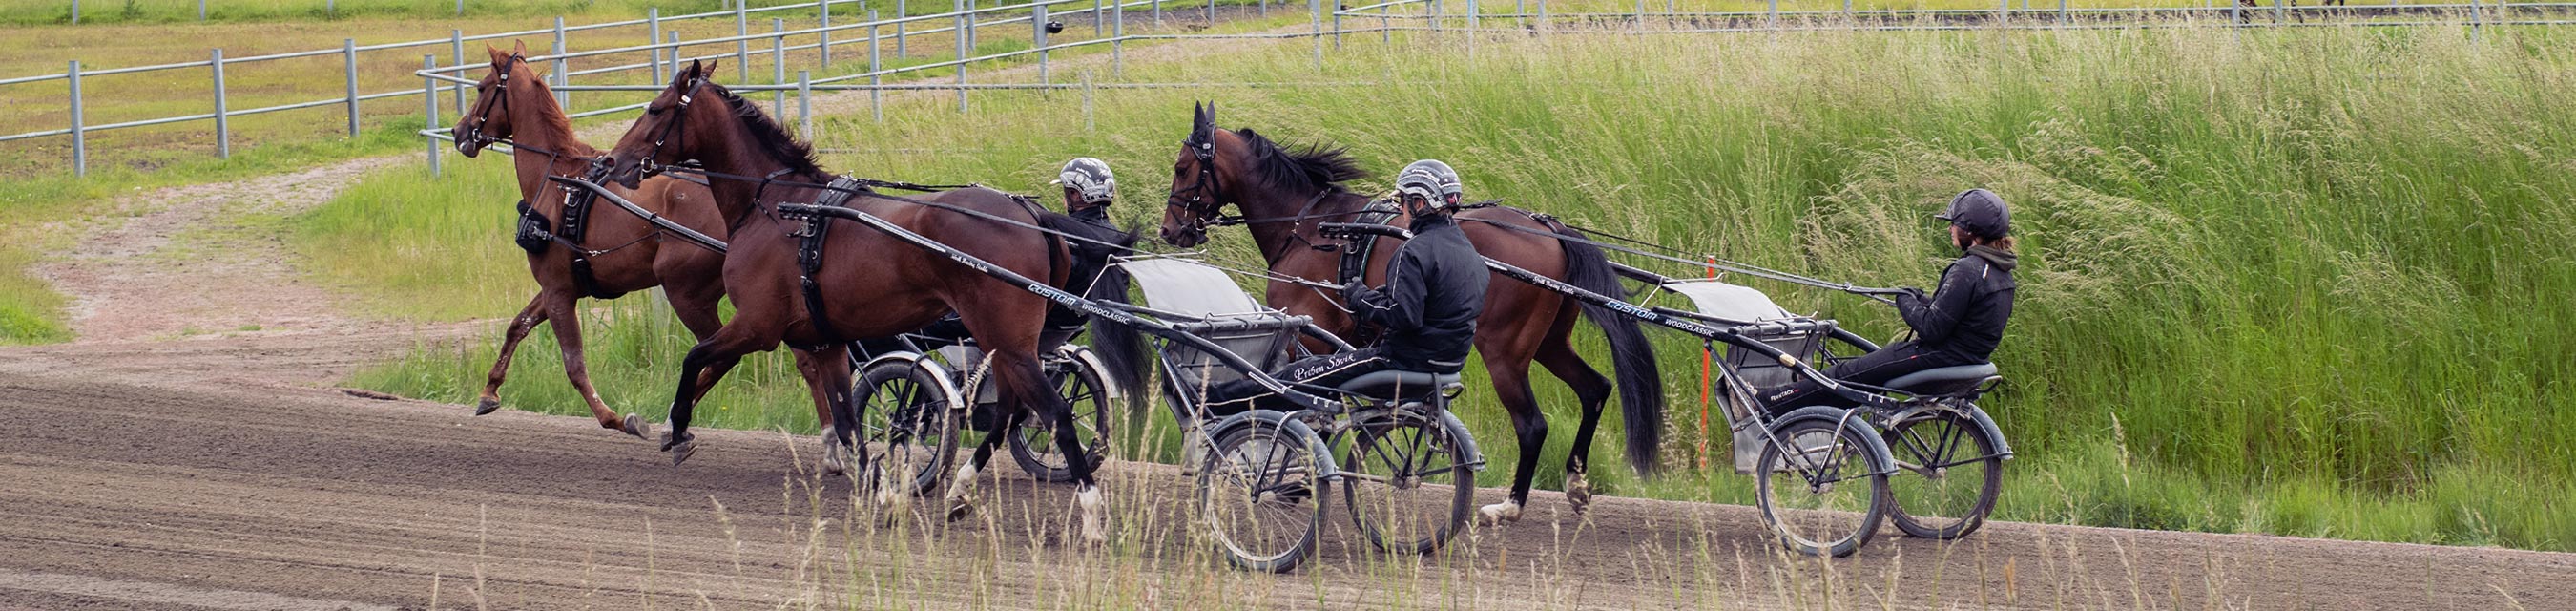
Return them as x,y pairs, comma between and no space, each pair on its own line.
2306,282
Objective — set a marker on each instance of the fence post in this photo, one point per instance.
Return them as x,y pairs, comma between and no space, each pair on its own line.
965,24
349,59
876,97
1038,37
460,7
1471,16
1158,13
456,40
562,77
1086,100
224,124
2003,13
1773,16
1211,13
653,36
1118,39
825,32
201,8
1337,25
331,7
80,139
900,12
805,104
429,97
673,38
1315,18
1096,19
742,44
778,67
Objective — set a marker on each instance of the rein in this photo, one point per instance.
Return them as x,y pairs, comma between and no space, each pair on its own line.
1714,263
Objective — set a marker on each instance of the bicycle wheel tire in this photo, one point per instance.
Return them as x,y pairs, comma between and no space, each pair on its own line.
1033,445
1822,498
1407,482
909,425
1260,496
1947,474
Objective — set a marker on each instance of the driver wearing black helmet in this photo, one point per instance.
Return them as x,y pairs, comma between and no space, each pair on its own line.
1959,324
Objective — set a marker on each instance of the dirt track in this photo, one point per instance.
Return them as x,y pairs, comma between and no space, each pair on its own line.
213,474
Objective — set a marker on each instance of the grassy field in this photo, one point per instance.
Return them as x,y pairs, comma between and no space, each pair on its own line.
2276,281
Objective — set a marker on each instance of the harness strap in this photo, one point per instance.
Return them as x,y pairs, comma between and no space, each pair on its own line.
809,256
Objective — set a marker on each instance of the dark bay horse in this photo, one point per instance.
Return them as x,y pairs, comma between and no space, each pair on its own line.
1285,194
869,283
513,105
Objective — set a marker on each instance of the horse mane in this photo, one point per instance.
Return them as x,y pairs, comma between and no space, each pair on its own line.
772,138
1307,168
552,118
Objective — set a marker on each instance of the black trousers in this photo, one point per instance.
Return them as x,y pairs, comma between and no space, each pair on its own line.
1323,370
1876,368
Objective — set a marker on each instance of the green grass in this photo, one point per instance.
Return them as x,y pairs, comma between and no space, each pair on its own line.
2304,282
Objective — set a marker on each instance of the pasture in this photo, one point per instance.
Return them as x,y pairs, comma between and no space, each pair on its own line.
2305,282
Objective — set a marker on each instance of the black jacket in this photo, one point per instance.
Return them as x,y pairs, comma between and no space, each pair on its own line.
1089,258
1966,316
1435,289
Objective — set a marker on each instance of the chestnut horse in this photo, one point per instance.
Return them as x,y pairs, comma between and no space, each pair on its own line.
514,106
868,283
1285,194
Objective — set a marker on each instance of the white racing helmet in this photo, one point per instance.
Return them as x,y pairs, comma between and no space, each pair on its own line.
1432,180
1090,179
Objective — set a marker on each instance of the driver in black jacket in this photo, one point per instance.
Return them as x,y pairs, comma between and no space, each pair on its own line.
1960,324
1435,290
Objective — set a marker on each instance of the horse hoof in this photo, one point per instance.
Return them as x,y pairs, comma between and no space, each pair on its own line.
680,447
1500,513
960,509
961,493
836,457
1578,492
487,406
637,426
1094,522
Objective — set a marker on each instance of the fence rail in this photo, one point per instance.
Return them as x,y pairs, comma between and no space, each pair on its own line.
662,52
819,39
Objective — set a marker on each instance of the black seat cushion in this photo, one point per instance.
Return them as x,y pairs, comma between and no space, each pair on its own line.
1943,380
1386,384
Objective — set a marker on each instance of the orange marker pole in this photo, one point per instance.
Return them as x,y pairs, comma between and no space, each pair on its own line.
1707,369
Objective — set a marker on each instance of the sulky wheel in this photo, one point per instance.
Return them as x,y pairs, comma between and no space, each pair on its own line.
1407,481
1947,474
1260,496
1818,484
1033,445
910,425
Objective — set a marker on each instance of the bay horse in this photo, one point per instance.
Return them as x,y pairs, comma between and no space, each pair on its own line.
513,105
1285,194
866,284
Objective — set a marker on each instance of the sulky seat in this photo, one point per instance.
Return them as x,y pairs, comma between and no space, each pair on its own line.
1944,380
1396,385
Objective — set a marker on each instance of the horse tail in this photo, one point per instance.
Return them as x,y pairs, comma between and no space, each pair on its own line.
1641,385
1121,348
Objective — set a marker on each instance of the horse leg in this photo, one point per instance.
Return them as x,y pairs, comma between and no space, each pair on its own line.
827,376
1593,391
1511,386
567,326
519,327
725,347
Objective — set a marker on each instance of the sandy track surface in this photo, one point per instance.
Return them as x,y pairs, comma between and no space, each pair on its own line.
237,488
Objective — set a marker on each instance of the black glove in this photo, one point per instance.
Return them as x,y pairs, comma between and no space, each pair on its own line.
1912,293
1364,299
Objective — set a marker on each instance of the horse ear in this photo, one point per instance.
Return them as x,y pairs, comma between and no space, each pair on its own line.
710,68
1201,122
519,48
495,52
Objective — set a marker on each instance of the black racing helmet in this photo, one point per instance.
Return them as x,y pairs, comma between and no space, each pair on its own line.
1089,178
1980,212
1432,180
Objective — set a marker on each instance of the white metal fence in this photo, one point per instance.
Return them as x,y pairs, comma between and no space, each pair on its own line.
820,39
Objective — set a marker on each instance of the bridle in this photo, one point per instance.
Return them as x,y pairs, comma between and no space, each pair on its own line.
671,128
1201,204
500,99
